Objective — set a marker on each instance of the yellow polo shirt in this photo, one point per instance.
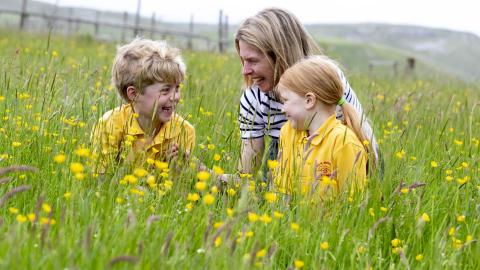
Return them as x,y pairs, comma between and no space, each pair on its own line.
117,137
335,152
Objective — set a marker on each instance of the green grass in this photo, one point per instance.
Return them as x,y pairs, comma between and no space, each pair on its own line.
53,90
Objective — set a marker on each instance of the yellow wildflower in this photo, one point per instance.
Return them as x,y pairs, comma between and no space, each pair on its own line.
21,218
265,218
82,152
16,144
298,264
252,217
161,165
218,170
193,197
272,164
277,214
208,199
261,253
140,172
76,167
395,242
46,208
203,175
218,241
31,217
425,217
270,197
60,158
231,192
200,185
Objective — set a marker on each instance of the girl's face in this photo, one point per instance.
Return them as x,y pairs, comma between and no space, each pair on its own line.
295,108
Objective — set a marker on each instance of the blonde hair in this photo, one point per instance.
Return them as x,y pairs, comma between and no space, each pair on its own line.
280,36
143,62
319,75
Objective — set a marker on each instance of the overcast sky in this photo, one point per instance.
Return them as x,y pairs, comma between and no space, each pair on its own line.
460,15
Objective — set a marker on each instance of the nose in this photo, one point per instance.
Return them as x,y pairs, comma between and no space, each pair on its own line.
175,96
247,69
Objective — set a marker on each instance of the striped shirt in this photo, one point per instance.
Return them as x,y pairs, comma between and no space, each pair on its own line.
261,113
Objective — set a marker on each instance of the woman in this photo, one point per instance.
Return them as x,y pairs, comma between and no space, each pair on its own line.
267,44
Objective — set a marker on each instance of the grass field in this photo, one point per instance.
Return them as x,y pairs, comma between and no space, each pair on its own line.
423,214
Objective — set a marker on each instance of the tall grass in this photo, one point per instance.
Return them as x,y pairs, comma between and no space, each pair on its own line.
424,213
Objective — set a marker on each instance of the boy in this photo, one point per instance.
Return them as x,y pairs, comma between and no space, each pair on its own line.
147,74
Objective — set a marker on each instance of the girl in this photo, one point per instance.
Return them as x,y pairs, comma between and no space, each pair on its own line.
318,153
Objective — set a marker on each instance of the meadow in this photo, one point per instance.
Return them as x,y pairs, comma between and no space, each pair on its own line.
58,214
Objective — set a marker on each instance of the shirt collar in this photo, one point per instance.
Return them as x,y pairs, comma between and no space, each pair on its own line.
323,130
168,130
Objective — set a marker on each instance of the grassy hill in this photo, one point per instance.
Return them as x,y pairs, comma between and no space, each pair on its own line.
438,52
452,52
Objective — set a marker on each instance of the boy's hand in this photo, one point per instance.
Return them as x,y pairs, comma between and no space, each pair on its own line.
172,152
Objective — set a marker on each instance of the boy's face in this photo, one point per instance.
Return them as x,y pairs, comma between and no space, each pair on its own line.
158,98
256,66
294,107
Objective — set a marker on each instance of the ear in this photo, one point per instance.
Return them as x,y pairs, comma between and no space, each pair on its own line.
310,100
132,93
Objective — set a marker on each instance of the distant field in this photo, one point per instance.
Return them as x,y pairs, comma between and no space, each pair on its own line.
423,214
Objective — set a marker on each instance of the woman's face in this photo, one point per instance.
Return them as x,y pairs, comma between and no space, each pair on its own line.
256,66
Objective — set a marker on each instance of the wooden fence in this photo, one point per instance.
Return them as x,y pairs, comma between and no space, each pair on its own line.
125,27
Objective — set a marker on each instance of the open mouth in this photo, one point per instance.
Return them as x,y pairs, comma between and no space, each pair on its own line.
167,109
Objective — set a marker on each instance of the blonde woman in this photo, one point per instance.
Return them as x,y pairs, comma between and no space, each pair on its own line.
268,44
319,154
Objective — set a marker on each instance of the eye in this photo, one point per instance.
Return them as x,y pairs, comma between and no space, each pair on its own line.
164,91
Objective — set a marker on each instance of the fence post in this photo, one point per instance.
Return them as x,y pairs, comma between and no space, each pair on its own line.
152,25
225,32
220,30
410,67
125,23
97,23
137,18
23,15
190,31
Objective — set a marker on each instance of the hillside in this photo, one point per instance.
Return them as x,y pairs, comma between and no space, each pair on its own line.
355,45
456,53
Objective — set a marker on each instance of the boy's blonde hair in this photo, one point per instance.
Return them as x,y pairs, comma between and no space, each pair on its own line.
280,36
143,62
319,75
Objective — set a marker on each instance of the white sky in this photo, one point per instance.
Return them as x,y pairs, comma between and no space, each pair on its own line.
460,15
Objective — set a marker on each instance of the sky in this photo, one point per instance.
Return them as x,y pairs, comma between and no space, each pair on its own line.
462,15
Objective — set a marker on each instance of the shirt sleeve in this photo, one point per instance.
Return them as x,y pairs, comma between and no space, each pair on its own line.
250,119
105,140
189,138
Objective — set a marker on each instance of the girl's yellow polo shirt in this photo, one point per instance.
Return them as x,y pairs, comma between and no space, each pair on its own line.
118,136
328,162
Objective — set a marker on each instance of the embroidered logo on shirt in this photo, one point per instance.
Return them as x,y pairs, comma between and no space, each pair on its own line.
324,168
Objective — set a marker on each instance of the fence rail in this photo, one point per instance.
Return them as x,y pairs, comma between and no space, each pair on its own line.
124,26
